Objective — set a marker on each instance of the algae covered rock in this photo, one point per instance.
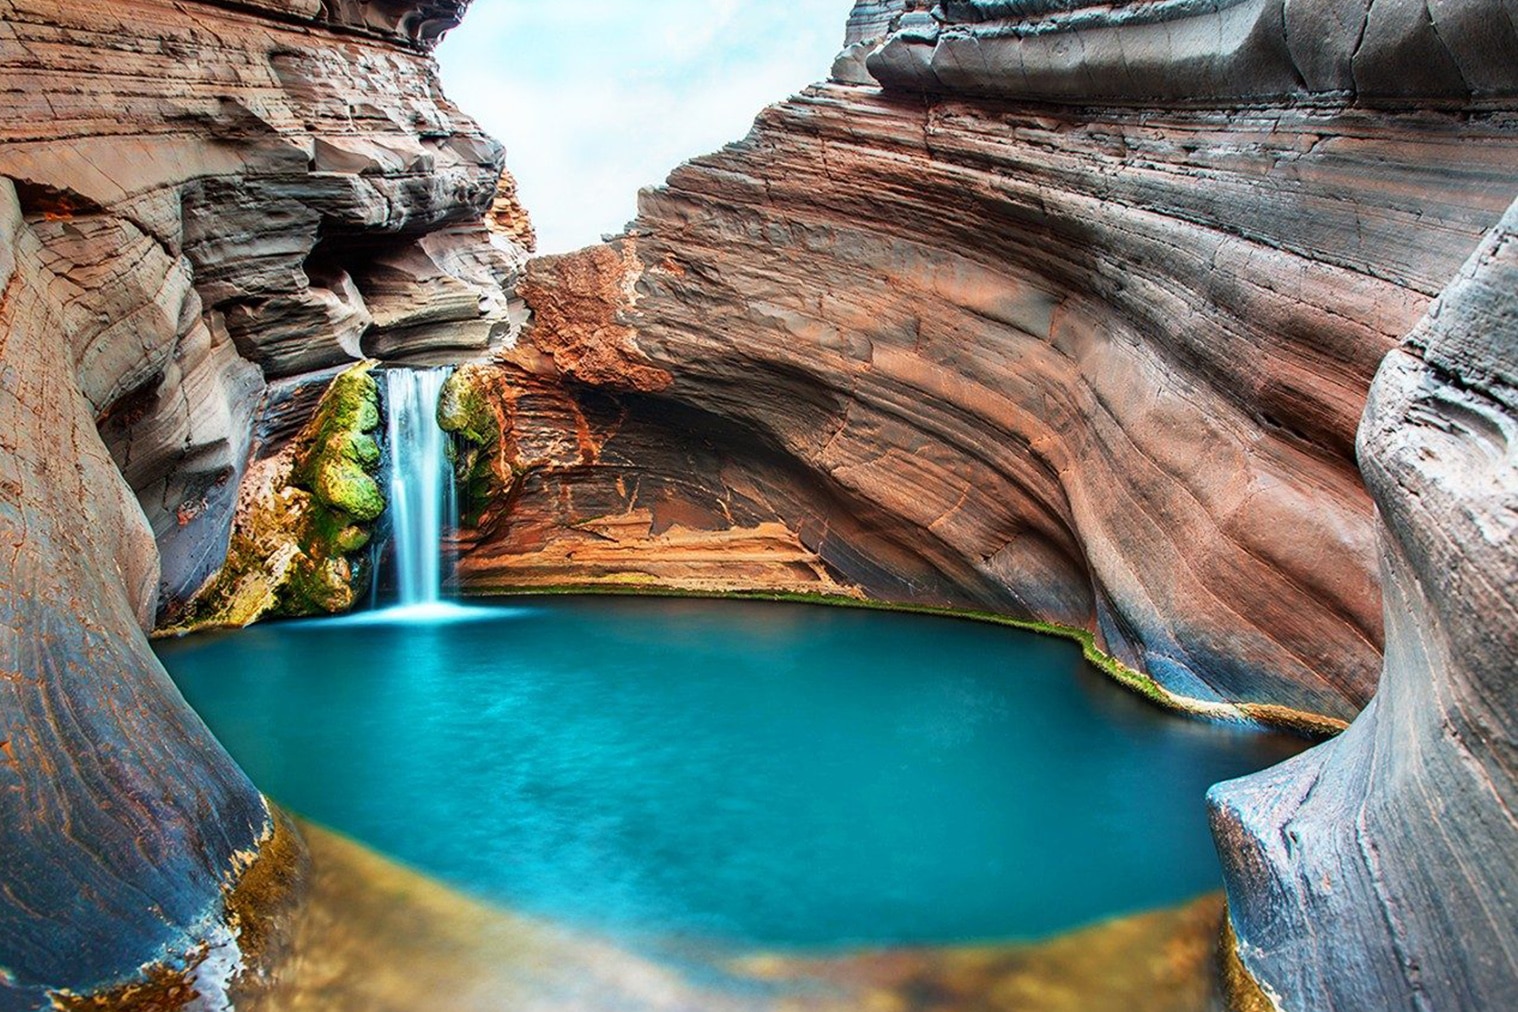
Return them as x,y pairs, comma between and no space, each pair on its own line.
475,407
303,518
337,464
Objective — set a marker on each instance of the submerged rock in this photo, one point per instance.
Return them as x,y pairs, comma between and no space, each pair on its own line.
372,935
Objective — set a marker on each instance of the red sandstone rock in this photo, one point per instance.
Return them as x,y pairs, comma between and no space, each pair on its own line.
195,197
1098,368
576,300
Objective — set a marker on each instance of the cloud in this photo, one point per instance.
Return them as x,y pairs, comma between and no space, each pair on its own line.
598,98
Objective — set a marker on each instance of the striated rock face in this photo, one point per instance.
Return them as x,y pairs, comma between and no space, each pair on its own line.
1193,51
1066,311
1101,367
1072,311
1377,871
196,199
310,183
103,867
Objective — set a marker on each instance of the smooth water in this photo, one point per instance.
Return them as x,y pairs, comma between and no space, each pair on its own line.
420,483
780,775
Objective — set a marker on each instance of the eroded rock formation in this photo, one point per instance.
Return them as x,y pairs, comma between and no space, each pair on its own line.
1060,310
1377,871
196,199
1194,51
1071,311
1098,366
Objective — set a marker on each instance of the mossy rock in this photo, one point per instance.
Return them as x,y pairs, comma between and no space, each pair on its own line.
296,550
464,409
317,586
345,487
468,410
338,457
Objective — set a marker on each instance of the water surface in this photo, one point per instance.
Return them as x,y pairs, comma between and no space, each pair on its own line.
753,773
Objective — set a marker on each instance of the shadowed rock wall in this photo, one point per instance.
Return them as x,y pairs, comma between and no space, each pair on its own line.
195,198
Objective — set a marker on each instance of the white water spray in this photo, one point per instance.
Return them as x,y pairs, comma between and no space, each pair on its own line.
423,506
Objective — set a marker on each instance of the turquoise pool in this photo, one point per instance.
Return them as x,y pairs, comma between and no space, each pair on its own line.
739,772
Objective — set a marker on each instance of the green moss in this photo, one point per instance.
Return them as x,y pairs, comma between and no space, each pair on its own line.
464,409
347,488
351,539
337,463
316,586
295,550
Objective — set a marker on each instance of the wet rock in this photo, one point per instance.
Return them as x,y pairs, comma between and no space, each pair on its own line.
303,517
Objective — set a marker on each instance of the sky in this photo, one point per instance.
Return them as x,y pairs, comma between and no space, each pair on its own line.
596,99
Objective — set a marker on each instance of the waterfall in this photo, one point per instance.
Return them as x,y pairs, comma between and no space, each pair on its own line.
422,501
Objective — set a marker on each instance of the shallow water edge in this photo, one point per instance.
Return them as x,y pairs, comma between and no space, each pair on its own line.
372,934
1315,726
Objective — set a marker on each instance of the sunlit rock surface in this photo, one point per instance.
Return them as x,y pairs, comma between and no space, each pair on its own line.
1098,367
196,198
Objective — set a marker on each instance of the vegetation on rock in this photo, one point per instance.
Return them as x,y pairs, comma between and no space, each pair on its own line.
303,517
471,409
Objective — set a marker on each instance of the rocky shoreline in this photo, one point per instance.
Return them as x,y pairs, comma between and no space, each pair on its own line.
1187,327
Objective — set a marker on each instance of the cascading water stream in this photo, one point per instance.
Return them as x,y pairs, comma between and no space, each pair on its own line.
422,502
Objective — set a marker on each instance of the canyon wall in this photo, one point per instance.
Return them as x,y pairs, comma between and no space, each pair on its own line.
1071,312
1098,365
1062,311
207,210
1376,871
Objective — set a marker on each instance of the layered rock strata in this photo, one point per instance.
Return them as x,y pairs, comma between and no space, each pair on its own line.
196,199
1101,367
1194,51
1071,311
1376,871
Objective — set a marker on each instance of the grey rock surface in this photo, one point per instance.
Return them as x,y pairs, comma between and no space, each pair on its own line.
1378,871
1197,51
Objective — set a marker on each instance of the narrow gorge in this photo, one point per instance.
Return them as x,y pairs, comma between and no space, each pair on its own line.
1184,328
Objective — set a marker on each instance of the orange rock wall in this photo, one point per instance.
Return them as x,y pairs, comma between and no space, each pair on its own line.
1099,367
